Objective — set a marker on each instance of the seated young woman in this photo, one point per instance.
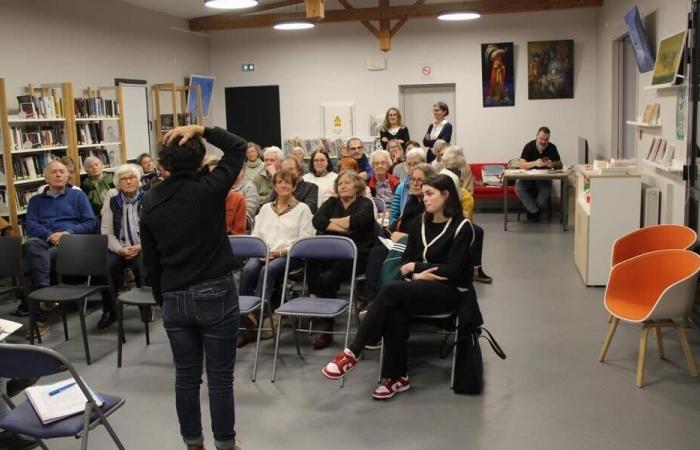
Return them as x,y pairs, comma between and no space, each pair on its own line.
437,265
348,214
280,223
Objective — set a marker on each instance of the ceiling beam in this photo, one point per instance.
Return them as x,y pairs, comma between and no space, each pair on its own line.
315,9
267,7
485,7
384,29
365,23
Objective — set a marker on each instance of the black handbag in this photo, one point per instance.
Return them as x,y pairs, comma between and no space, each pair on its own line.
469,365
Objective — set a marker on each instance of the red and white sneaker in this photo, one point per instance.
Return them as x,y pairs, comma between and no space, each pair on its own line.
343,363
390,387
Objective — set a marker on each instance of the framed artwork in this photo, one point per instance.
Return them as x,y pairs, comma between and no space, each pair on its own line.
640,41
497,74
550,71
376,122
338,119
206,85
668,59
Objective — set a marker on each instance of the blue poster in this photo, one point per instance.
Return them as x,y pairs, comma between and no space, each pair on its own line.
206,85
642,49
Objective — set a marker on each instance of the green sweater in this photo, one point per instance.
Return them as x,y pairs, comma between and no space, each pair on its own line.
97,190
252,169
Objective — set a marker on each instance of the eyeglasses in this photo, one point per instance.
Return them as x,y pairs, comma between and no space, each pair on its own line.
128,178
381,163
417,180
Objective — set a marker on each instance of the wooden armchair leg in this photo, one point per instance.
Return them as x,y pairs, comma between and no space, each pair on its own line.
686,350
642,355
659,341
611,331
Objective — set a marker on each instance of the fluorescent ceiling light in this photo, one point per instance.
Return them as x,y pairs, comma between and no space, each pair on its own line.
458,15
230,4
293,25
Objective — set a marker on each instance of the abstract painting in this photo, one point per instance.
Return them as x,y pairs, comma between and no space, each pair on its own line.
550,71
206,85
497,74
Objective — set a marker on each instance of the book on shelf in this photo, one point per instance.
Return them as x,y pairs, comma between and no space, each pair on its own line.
661,152
668,155
31,166
95,107
330,146
107,157
89,133
37,136
23,196
166,122
40,107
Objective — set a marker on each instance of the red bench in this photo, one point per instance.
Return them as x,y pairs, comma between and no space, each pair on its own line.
483,192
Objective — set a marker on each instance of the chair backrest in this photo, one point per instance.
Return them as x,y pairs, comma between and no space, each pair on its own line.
10,256
82,255
652,238
658,284
380,204
30,361
248,246
324,247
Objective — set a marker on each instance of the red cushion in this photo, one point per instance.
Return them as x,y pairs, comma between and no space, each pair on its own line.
483,192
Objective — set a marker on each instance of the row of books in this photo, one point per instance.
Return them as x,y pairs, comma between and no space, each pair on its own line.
660,151
37,137
40,107
86,107
23,196
331,146
90,133
167,120
651,113
31,166
107,157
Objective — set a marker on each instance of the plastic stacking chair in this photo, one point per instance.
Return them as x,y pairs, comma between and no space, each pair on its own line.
138,296
78,255
11,267
316,248
653,289
26,361
253,247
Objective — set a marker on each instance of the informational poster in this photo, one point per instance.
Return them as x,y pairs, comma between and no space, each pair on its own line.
338,119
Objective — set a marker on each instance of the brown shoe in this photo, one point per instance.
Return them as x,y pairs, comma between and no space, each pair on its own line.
232,448
322,340
42,327
195,447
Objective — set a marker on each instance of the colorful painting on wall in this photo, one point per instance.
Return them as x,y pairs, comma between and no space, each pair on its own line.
550,72
497,74
668,59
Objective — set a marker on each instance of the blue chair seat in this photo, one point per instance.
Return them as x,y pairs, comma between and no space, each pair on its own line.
64,292
248,303
138,296
315,307
24,420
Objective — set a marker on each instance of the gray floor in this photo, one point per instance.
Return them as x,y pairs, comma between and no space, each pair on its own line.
551,392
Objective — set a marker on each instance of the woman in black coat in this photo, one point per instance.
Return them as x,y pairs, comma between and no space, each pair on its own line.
439,129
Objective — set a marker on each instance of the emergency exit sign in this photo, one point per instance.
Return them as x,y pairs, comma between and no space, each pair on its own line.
250,67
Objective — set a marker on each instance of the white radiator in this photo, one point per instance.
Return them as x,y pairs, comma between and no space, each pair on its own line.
651,205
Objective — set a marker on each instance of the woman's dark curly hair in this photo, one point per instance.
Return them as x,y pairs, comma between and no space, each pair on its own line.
177,158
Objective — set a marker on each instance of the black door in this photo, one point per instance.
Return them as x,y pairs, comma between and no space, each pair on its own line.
253,112
690,172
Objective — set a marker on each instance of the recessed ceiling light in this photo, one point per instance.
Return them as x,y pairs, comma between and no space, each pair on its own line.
458,15
293,25
230,4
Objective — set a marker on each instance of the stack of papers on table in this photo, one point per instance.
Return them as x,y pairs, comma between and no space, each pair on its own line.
7,327
53,402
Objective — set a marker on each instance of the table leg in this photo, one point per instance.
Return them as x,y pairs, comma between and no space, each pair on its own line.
565,212
505,204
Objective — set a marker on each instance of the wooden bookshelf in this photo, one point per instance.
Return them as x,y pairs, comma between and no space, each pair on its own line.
177,105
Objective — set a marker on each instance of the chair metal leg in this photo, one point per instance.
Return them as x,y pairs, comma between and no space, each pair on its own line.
65,321
83,328
277,345
454,357
381,360
642,355
659,342
257,341
606,344
110,430
86,424
347,336
686,350
147,314
120,333
33,327
296,336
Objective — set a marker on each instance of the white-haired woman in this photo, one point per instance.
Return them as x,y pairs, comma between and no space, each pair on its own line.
300,155
414,156
439,149
263,181
382,184
97,184
120,222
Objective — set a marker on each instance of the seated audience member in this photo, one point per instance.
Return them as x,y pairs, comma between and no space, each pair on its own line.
235,203
151,173
8,439
349,214
70,165
351,164
249,193
97,183
300,155
415,155
537,154
413,209
439,272
439,148
382,184
121,225
280,223
263,180
321,174
55,212
304,191
396,152
356,149
253,161
457,168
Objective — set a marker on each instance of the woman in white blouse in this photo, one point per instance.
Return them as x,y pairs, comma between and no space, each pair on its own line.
439,129
321,174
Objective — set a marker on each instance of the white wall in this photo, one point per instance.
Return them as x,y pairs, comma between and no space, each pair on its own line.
661,19
327,64
90,43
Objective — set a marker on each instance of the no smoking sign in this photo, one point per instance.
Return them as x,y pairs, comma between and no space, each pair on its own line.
426,70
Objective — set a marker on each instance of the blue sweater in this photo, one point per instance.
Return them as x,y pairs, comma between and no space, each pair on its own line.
70,211
398,201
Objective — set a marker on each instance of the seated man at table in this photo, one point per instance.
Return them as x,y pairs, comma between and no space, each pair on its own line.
537,154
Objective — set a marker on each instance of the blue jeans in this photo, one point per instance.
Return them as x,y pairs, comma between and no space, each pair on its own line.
202,321
533,194
252,275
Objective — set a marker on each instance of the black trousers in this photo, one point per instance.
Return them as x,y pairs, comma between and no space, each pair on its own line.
477,247
325,276
389,314
375,259
117,264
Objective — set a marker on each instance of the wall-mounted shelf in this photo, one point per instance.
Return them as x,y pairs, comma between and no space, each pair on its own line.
644,125
654,87
663,167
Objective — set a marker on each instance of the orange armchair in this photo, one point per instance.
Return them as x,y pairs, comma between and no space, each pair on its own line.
652,238
653,289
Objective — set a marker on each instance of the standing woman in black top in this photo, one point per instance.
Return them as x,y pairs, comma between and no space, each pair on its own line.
189,262
393,129
439,129
437,264
350,214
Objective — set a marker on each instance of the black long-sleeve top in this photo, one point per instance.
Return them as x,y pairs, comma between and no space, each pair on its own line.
449,253
183,221
362,224
401,134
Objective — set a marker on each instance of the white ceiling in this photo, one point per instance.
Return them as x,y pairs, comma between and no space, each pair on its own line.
188,9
